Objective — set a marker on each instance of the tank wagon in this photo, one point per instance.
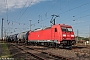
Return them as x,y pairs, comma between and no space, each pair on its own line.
22,37
15,38
57,35
12,38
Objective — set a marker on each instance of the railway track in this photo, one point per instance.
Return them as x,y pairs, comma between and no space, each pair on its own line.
28,52
79,52
45,53
40,54
50,54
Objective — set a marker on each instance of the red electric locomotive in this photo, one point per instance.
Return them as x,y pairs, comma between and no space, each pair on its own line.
57,35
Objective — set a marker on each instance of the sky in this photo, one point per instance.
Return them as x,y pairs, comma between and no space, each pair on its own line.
18,13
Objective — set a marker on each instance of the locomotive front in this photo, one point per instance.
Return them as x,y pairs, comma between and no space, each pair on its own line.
68,37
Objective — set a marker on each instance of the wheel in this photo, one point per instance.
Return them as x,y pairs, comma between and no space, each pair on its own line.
70,47
26,42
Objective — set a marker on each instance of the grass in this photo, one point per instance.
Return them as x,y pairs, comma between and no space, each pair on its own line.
5,51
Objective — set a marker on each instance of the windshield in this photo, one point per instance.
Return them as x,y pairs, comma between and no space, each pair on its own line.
67,29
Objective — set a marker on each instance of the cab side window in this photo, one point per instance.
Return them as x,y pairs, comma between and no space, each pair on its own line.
55,29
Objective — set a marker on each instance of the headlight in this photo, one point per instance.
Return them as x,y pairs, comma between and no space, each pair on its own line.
72,35
64,35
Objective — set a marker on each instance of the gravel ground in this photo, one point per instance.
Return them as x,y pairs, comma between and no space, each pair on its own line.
79,53
16,53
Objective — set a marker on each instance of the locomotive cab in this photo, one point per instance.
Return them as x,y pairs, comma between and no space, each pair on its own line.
68,37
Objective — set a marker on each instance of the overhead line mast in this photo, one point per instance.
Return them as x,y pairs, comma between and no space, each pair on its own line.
2,29
30,24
